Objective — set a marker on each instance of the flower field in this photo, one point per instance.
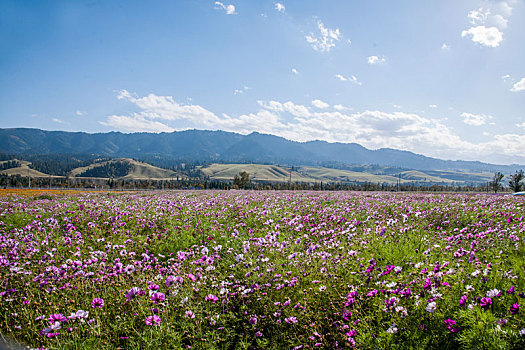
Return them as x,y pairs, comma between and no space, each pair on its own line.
262,270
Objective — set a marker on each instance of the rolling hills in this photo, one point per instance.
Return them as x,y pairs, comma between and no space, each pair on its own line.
226,147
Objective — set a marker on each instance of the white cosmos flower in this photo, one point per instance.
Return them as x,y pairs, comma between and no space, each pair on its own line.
431,307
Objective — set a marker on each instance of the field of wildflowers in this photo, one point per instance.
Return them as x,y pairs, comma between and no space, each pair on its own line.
262,270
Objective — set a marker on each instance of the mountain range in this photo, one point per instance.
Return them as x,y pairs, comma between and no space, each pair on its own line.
221,146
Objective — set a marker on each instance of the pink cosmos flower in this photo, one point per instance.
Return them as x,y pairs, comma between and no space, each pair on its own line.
97,303
514,309
211,298
291,320
158,297
485,303
153,320
57,318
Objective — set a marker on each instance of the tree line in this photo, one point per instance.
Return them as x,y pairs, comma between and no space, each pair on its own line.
515,181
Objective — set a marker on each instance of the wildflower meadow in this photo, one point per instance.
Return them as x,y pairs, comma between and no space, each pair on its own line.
262,270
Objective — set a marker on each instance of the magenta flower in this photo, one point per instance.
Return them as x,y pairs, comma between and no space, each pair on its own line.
169,281
56,318
485,303
291,320
253,320
514,309
351,333
153,320
97,303
463,301
158,297
190,314
511,290
133,292
211,298
450,325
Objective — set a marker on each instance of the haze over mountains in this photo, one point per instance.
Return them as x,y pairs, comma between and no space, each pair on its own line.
220,146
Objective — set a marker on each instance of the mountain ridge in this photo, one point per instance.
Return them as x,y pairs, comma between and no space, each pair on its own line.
223,146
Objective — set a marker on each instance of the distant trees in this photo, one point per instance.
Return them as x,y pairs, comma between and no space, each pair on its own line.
10,164
113,169
496,182
241,180
515,181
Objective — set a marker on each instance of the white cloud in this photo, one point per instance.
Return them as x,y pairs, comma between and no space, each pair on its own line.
59,121
475,119
229,9
135,123
240,91
80,113
320,104
297,110
478,16
375,60
352,79
326,41
505,77
521,125
280,7
487,24
485,36
503,8
498,21
519,86
372,129
433,106
340,107
295,71
445,47
396,106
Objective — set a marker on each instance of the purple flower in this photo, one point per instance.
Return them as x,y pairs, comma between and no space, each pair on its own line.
48,332
153,320
211,298
253,320
347,315
291,320
511,290
57,318
97,303
80,314
463,301
158,297
190,314
351,333
169,281
514,309
450,325
258,334
153,287
134,292
485,303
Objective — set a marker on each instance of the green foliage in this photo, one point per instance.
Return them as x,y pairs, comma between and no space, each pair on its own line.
496,182
515,181
108,170
241,180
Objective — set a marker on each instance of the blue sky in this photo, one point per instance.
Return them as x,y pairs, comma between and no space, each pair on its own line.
441,78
